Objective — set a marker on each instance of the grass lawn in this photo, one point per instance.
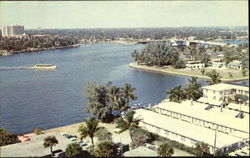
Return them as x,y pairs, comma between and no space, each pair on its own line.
236,74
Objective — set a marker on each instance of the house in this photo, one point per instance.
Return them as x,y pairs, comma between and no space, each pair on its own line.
218,63
195,65
236,64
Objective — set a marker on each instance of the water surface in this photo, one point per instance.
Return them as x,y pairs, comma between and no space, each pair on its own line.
48,99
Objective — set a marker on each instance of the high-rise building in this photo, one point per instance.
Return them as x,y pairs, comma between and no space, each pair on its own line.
12,31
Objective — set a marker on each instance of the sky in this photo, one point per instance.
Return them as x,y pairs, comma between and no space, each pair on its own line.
123,14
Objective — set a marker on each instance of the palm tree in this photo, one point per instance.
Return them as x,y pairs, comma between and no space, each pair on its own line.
128,92
215,77
121,104
165,150
203,71
73,150
244,72
114,93
193,89
50,141
106,149
128,122
176,94
89,129
201,149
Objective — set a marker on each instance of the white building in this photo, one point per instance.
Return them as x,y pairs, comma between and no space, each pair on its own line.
218,64
236,64
187,133
12,31
204,120
195,65
223,92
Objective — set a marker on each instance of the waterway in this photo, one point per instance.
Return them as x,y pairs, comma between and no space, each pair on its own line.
47,99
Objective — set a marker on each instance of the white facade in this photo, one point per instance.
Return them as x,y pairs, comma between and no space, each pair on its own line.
195,65
236,64
222,91
186,133
218,64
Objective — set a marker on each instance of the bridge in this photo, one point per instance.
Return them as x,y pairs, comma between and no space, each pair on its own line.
187,42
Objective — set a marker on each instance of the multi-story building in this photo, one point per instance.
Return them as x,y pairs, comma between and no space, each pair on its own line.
218,63
224,92
195,65
12,31
224,128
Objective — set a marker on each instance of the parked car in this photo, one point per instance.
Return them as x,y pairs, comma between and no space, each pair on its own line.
82,143
66,135
86,147
73,139
58,153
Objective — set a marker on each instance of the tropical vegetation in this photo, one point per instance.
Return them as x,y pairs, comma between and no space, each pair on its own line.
16,45
127,122
201,149
165,150
37,131
141,136
73,150
103,134
106,149
7,138
89,128
214,76
176,94
50,141
104,99
156,54
191,91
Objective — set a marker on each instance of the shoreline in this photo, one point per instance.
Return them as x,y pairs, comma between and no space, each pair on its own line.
35,50
164,71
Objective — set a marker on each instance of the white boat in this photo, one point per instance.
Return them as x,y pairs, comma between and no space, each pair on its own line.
44,66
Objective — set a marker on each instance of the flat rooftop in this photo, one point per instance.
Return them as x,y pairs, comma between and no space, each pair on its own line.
189,130
197,110
34,147
141,151
223,86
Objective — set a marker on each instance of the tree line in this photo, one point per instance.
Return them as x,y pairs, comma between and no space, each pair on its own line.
33,42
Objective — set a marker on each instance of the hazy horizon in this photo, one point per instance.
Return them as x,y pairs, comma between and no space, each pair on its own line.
123,14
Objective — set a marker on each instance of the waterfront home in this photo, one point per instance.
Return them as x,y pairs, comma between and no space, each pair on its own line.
34,147
218,63
223,92
236,64
195,65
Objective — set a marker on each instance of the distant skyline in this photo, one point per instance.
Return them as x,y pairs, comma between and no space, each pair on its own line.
123,14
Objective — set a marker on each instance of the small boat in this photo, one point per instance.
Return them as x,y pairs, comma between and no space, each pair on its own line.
44,66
